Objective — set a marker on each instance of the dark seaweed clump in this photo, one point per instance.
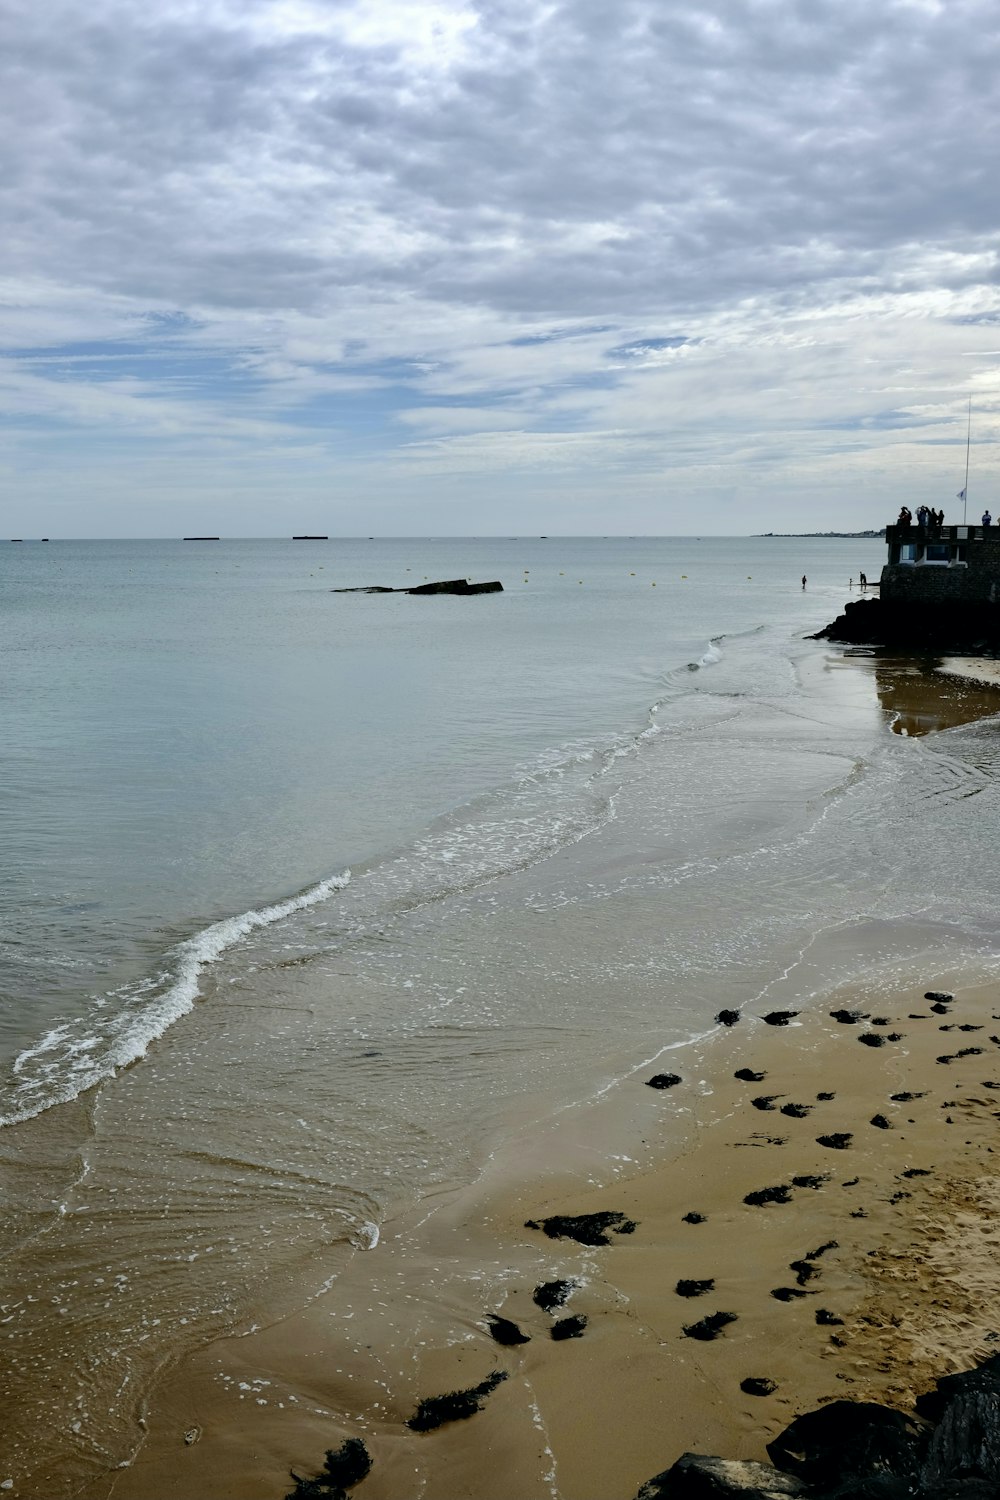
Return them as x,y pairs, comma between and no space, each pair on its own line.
454,1406
872,1039
827,1319
504,1331
344,1468
809,1180
796,1111
694,1218
709,1328
821,1250
728,1017
663,1080
839,1141
586,1229
847,1017
782,1194
755,1385
552,1294
779,1017
694,1288
881,1122
747,1075
569,1328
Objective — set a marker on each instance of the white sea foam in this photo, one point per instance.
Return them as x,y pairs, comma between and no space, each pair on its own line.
74,1056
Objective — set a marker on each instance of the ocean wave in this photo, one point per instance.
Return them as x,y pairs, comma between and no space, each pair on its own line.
77,1054
565,794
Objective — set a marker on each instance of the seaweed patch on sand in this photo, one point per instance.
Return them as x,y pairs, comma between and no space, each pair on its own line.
454,1406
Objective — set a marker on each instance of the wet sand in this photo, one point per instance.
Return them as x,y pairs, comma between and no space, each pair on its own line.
881,1246
973,668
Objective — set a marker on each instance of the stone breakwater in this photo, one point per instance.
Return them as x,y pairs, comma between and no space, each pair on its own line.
961,628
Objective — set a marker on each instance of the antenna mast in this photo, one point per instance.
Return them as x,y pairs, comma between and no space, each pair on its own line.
965,492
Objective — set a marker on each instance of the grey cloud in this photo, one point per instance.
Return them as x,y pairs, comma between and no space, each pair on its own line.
214,163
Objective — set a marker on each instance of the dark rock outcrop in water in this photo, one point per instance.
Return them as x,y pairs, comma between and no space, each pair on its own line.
857,1450
962,628
447,586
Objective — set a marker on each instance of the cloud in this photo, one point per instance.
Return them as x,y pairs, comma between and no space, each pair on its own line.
639,229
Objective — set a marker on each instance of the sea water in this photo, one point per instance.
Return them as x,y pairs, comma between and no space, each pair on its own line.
304,893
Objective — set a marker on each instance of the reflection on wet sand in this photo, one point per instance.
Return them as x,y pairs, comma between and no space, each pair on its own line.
922,693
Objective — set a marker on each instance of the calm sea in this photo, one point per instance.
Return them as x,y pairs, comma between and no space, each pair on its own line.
344,877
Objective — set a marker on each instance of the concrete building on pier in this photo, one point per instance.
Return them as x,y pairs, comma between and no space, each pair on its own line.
941,565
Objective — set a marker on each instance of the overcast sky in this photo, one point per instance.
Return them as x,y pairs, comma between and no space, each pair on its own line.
495,266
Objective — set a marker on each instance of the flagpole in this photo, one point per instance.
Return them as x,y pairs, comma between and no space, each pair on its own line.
965,492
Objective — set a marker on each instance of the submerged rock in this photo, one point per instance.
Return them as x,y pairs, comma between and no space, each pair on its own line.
445,586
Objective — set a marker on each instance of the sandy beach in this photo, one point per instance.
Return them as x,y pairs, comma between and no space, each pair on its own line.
870,1271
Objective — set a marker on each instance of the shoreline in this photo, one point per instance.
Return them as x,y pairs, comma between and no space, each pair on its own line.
407,1319
905,1261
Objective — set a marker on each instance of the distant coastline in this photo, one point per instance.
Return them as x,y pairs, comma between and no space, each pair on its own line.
848,535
